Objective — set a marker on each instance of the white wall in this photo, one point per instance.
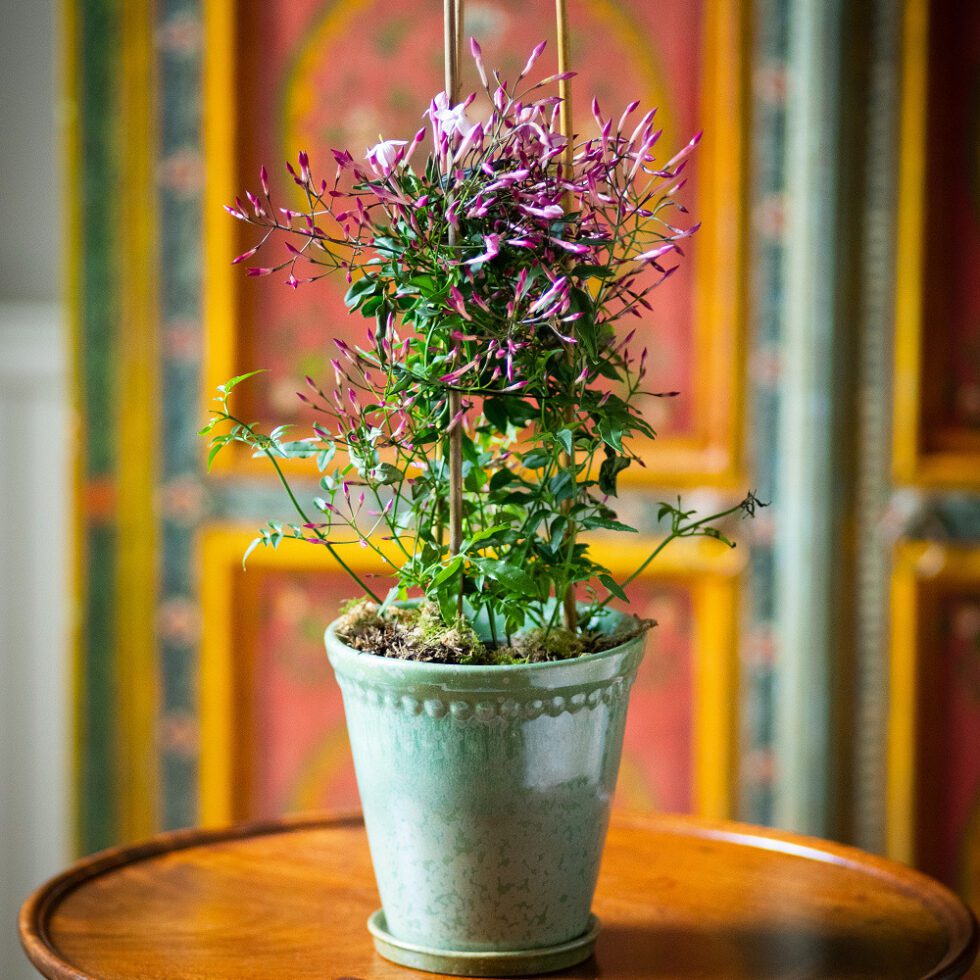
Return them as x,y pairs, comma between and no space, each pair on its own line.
35,491
31,190
34,546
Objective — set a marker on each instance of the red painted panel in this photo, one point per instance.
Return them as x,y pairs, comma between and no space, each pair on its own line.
952,748
952,239
318,74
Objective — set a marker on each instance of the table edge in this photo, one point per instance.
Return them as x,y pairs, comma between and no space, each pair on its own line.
37,910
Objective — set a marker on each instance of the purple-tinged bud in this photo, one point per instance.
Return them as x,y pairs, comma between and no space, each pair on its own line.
304,166
535,54
256,271
627,112
478,58
655,253
244,255
264,179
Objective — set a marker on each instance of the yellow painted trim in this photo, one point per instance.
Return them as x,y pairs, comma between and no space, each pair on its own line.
716,695
709,569
900,756
216,716
135,575
719,301
712,454
915,565
909,255
221,107
72,257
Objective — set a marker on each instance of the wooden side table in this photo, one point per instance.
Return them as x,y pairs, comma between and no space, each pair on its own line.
678,898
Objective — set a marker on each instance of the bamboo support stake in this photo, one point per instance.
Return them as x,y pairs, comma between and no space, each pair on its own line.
564,91
567,158
453,12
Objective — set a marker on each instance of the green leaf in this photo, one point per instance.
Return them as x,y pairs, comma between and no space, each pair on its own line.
216,448
613,586
562,486
385,474
237,380
512,577
448,571
605,523
557,528
485,536
564,437
501,478
609,472
611,431
254,544
592,272
495,412
359,289
536,459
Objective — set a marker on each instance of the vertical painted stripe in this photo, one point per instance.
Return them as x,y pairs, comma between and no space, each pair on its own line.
807,552
136,360
96,312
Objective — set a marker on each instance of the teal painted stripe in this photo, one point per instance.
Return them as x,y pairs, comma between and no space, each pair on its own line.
179,215
98,110
98,103
97,790
813,560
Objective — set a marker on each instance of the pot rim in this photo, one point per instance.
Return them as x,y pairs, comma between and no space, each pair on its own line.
363,657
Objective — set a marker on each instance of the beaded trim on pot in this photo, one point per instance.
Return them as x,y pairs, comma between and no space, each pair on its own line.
478,707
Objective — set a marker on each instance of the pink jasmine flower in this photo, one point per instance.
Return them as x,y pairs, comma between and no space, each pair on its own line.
450,120
655,253
458,304
384,156
491,245
558,289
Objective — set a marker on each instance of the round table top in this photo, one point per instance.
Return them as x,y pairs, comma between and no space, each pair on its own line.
678,898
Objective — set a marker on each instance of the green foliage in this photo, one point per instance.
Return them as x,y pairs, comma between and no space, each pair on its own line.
497,285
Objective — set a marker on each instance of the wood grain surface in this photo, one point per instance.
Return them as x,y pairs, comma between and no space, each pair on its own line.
678,898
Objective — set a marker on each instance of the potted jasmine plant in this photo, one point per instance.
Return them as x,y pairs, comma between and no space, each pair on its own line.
474,442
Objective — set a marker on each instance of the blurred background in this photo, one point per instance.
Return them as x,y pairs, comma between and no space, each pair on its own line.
824,336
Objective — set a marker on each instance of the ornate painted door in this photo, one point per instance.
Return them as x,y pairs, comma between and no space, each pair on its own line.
823,336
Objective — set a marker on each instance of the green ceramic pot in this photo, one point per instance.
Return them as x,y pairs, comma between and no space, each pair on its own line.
486,791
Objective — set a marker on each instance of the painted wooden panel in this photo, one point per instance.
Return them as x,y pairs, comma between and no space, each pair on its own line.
934,729
315,74
937,368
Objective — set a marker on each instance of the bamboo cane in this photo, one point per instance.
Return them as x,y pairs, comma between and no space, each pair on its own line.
453,11
565,124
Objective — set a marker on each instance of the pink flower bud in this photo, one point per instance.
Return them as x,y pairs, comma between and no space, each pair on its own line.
535,54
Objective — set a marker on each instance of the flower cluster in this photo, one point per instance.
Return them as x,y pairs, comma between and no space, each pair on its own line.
495,266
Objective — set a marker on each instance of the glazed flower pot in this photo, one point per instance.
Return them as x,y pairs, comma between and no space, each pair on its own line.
486,794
